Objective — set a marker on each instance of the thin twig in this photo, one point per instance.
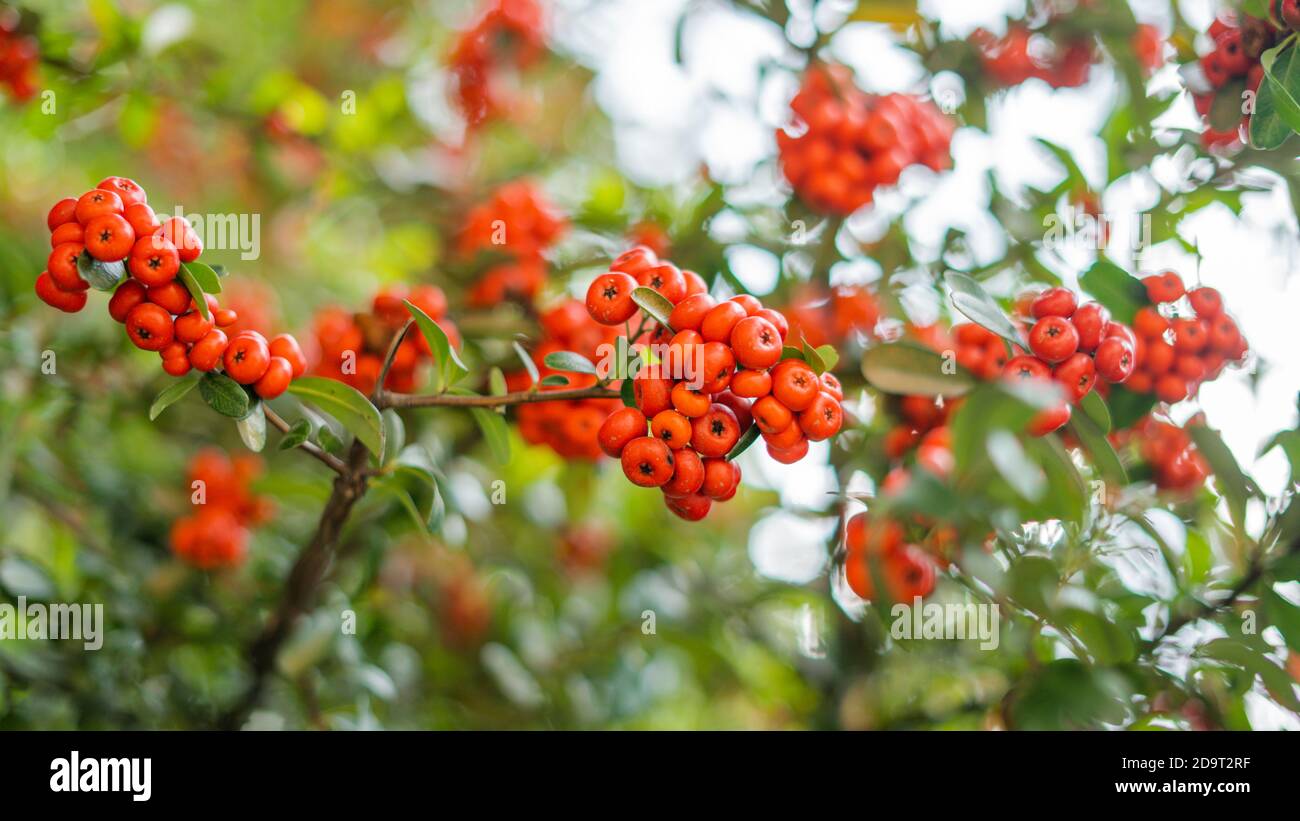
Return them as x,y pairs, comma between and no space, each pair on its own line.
333,462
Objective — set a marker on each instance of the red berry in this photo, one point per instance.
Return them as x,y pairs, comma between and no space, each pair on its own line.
1077,374
142,219
1163,287
756,343
720,479
1090,319
190,326
149,326
1053,339
822,419
276,379
666,279
97,203
794,384
688,474
286,347
63,212
154,260
128,190
647,462
1044,422
109,237
68,232
716,432
67,301
1115,359
128,295
692,508
609,298
1190,335
172,295
1026,367
207,352
62,265
1206,302
690,312
1053,302
182,236
247,357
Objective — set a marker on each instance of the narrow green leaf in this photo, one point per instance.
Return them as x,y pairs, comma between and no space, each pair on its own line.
653,303
1103,455
1232,483
173,393
569,361
555,380
529,364
224,395
346,404
969,297
204,276
497,382
1095,408
448,369
905,368
495,432
252,428
186,276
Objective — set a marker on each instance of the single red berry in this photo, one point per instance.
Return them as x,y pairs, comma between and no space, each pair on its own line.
247,357
62,265
609,298
719,364
695,283
172,295
720,320
822,419
176,365
1224,335
63,212
689,313
786,439
692,508
666,279
128,295
647,462
128,190
287,347
1026,367
751,384
182,236
142,219
1090,319
671,428
149,326
109,237
68,232
720,479
831,384
689,403
1046,421
207,352
1150,323
770,415
190,326
794,384
688,474
651,392
777,319
788,456
716,432
279,373
1053,302
154,260
749,302
634,260
1171,388
97,203
1164,287
756,343
1077,374
1206,302
1053,339
67,301
225,317
1190,335
1115,359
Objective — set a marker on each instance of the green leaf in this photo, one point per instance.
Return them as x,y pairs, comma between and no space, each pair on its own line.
829,356
191,284
1017,469
905,368
748,438
529,364
394,434
448,369
329,441
1112,286
252,428
653,303
989,407
102,276
346,404
495,432
1128,407
224,395
497,382
555,380
204,276
1108,642
1285,616
1198,558
791,352
1094,407
297,435
172,394
1067,493
1237,653
1103,455
627,393
1228,477
1277,113
969,297
416,490
569,361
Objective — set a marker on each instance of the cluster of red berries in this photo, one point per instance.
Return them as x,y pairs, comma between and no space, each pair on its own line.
822,317
519,220
923,427
877,544
719,369
506,33
216,534
568,427
19,58
1176,464
1236,55
852,142
352,346
1181,345
1074,345
114,223
1066,62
